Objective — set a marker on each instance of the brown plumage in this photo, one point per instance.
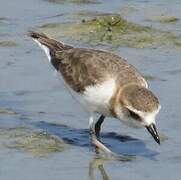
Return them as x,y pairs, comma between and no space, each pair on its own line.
82,67
103,83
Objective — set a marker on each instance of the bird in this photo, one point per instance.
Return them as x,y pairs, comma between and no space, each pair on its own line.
105,84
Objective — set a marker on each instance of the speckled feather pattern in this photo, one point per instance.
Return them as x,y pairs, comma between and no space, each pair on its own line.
85,67
82,67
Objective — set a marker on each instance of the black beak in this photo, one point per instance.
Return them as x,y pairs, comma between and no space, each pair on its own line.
152,130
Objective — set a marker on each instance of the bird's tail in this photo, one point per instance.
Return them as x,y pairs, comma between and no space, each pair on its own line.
49,43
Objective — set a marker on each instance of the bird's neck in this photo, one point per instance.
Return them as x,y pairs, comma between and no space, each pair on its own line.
114,102
118,99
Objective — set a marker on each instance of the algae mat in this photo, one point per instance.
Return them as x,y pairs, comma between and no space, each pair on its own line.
31,140
74,1
8,44
114,30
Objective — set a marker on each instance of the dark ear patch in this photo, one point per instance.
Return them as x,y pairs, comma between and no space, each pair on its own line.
134,115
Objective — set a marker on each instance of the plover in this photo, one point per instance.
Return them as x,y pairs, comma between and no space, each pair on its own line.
103,83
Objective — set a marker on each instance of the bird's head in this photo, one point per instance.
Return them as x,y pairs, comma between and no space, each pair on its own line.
138,107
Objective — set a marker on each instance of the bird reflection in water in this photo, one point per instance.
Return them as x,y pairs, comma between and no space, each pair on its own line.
98,163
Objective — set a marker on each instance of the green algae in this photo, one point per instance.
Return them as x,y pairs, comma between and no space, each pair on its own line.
30,140
114,30
90,14
7,43
74,1
163,19
7,111
49,25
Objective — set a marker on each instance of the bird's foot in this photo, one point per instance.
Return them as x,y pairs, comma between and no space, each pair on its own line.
98,144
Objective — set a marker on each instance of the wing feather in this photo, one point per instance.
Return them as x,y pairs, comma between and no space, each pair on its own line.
85,67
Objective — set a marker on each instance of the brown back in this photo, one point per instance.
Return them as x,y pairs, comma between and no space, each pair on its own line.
84,67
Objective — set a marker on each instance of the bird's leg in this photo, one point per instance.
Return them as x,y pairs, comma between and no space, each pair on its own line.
98,125
94,139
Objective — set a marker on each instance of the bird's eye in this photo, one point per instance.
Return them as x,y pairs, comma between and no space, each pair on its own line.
134,115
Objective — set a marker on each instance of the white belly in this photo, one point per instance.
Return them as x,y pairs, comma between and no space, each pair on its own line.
96,98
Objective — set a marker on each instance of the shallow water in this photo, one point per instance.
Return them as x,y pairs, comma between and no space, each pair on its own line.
31,96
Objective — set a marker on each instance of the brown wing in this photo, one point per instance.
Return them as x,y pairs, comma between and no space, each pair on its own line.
84,67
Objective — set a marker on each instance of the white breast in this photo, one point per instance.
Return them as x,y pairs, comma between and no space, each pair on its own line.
96,98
